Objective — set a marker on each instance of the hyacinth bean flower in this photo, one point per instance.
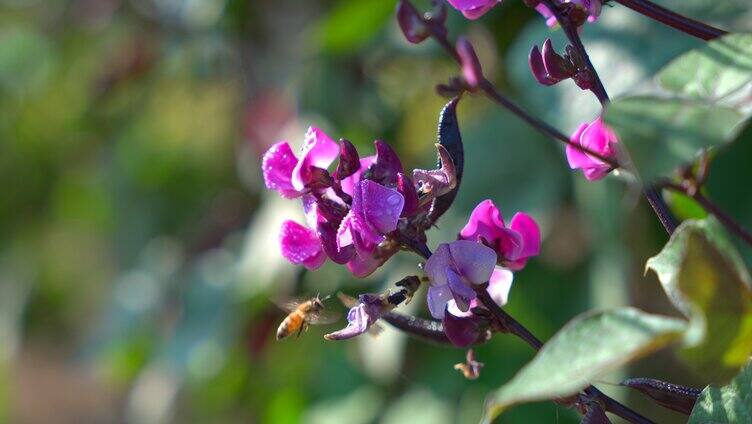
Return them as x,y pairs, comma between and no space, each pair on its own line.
473,9
362,316
461,327
514,245
453,269
599,138
288,174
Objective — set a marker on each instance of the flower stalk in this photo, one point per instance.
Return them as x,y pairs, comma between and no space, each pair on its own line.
665,16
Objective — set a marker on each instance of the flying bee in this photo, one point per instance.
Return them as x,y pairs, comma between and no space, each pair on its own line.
302,314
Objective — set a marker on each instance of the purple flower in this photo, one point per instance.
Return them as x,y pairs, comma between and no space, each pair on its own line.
473,9
547,14
288,175
471,69
598,138
374,213
362,316
453,269
300,245
514,245
461,327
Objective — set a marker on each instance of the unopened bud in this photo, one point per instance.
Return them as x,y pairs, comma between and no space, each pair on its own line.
411,24
471,69
349,161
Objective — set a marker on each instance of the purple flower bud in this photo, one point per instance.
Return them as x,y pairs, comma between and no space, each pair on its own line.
386,166
535,60
411,24
406,188
349,161
362,316
461,331
556,66
471,69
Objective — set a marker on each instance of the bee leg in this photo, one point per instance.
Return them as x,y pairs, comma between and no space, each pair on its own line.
300,330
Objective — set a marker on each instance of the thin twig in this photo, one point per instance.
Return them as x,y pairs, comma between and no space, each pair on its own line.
507,321
682,23
710,206
661,209
439,35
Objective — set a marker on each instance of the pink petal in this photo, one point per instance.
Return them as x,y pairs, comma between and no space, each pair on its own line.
344,232
300,245
509,244
473,261
277,166
499,285
473,9
485,221
528,229
437,298
454,310
363,266
318,150
575,157
349,183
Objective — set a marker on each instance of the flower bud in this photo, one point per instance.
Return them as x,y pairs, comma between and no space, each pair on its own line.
315,178
471,69
327,234
349,161
407,189
411,24
386,166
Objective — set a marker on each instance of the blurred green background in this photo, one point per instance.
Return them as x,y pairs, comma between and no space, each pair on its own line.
138,246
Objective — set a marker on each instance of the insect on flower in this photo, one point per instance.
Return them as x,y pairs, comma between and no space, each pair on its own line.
302,314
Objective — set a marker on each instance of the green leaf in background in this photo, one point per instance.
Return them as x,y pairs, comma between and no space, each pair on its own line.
352,24
663,133
720,71
705,278
728,404
590,345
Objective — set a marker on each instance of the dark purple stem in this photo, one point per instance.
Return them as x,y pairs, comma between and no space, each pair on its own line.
570,29
661,209
673,19
514,327
439,35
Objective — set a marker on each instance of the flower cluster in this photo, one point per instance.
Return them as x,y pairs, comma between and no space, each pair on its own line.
353,213
598,138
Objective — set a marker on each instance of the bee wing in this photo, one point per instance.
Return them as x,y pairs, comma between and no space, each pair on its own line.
323,317
288,305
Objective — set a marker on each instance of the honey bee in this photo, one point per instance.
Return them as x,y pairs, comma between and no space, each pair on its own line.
302,314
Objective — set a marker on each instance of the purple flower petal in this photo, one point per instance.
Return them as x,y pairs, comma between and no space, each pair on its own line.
369,309
508,244
380,206
277,166
300,245
598,138
362,266
437,298
387,165
461,292
318,150
473,261
528,229
577,158
437,265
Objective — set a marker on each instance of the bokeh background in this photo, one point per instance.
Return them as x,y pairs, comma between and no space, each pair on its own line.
138,249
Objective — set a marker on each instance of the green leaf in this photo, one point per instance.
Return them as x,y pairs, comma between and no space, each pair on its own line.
351,24
590,345
663,133
718,72
728,404
706,279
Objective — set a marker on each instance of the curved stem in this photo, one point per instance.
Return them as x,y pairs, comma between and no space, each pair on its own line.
611,405
682,23
661,209
570,29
